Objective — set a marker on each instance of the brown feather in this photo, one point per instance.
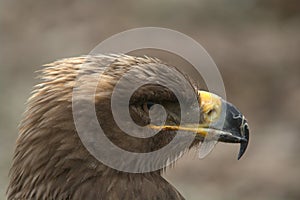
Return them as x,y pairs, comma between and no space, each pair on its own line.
50,162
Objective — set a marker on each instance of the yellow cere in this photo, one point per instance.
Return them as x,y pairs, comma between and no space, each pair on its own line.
210,105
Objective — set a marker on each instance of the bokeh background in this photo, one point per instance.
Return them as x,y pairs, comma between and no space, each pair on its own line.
255,44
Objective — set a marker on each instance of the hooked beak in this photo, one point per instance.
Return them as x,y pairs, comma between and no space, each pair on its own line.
237,127
220,121
224,120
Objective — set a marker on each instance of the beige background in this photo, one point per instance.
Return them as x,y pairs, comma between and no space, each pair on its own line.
255,44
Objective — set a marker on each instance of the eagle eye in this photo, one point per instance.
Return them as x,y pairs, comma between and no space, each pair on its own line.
147,105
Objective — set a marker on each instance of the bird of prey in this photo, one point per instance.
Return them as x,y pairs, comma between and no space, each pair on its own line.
50,160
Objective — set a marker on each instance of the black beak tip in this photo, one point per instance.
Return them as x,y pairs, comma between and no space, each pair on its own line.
244,141
243,147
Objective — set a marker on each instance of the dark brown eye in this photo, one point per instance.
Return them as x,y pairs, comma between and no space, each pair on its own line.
147,106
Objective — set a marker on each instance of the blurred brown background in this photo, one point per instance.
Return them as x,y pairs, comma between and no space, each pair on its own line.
255,44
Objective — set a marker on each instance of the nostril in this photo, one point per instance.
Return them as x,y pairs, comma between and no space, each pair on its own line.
211,112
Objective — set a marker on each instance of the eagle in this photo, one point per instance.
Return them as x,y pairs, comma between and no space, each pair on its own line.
50,159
